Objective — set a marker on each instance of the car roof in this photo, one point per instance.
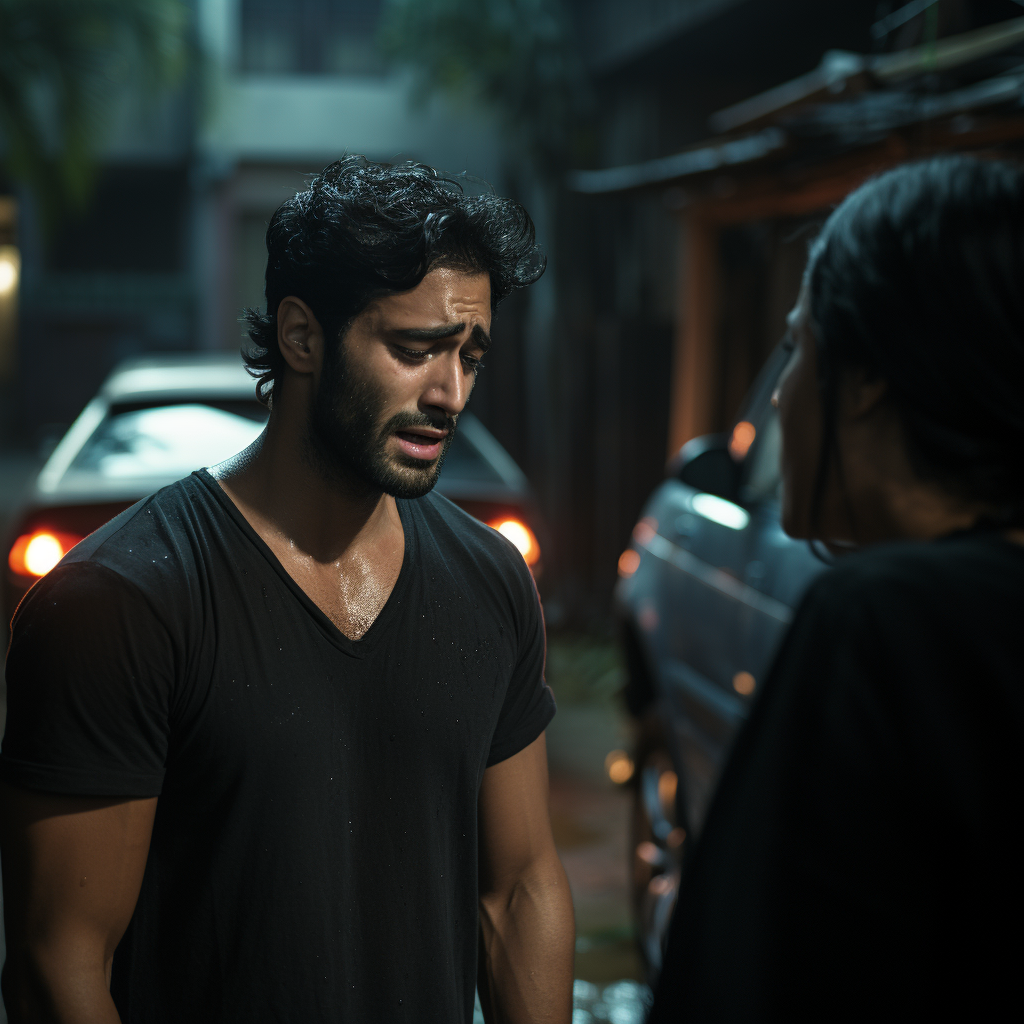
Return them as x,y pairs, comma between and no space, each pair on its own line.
195,374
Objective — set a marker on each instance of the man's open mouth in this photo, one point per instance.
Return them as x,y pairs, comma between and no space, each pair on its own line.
421,442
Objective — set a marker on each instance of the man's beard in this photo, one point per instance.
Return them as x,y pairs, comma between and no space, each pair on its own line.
346,439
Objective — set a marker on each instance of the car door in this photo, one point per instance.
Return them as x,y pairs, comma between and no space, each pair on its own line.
689,612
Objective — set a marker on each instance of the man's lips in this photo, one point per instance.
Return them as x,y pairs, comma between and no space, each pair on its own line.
421,442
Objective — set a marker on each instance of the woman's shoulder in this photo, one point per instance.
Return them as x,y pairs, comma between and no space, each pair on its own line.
981,564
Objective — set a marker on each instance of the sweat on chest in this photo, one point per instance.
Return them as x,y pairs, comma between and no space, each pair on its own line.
428,688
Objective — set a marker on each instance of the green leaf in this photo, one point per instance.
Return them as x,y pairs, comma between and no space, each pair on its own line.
62,64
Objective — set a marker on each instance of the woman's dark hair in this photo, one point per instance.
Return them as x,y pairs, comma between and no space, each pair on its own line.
918,278
362,230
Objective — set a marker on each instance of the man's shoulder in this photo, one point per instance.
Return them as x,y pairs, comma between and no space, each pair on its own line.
460,536
151,543
143,562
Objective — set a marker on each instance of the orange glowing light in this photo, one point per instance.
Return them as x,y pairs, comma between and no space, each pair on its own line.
743,435
744,683
667,784
521,535
35,554
629,562
645,530
619,766
649,853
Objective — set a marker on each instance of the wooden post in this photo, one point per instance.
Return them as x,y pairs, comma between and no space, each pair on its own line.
694,361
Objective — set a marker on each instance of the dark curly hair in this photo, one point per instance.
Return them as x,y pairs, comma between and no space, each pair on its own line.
918,278
362,230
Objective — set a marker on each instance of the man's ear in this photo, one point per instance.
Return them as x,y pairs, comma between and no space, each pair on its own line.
862,394
299,335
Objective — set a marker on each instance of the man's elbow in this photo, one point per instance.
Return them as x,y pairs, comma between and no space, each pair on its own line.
540,884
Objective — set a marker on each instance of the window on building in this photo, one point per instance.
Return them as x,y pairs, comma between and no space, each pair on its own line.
311,37
135,222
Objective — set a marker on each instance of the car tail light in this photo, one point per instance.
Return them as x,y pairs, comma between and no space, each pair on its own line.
35,554
629,562
521,535
742,438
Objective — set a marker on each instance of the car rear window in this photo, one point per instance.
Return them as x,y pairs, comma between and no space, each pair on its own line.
160,440
462,461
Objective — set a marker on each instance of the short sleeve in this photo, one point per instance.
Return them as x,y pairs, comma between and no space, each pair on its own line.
89,675
529,704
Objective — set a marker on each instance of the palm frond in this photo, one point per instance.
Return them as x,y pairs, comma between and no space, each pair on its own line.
62,63
518,56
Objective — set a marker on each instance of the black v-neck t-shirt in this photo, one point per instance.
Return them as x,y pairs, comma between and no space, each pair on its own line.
861,858
314,852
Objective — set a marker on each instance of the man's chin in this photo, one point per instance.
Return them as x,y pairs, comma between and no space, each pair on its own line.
410,478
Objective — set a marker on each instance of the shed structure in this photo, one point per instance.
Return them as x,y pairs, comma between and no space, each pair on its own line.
746,200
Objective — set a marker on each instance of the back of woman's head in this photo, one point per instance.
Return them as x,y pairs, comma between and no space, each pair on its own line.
918,278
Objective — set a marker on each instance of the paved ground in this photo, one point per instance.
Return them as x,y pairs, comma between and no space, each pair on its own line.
590,816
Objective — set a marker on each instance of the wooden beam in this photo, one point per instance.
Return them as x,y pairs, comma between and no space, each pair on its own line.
821,185
694,359
773,194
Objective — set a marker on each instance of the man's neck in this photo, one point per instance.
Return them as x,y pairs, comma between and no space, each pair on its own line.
286,495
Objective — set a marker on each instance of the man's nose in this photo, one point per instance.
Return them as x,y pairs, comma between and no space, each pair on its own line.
449,384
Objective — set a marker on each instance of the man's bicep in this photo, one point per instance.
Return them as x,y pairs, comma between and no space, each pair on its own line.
515,827
72,869
91,672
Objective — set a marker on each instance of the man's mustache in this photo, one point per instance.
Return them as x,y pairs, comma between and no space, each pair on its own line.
405,420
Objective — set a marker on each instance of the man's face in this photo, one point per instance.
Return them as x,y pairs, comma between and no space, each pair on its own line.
390,391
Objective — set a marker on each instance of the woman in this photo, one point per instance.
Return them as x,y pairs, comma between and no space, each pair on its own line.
860,859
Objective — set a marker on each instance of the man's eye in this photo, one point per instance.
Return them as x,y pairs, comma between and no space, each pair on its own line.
413,353
473,362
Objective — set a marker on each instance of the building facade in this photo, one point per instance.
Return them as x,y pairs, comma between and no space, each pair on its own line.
171,247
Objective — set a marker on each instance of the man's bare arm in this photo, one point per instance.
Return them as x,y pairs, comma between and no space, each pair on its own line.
526,916
72,870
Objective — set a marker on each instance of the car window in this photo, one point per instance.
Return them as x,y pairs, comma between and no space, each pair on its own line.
161,440
462,461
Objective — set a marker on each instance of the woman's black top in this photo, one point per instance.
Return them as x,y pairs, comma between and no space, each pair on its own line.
861,860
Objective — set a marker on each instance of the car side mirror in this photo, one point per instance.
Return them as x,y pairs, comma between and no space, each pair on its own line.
706,465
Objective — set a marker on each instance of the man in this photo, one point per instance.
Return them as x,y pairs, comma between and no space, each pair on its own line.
275,744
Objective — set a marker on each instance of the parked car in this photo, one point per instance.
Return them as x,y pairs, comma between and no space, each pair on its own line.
157,419
707,589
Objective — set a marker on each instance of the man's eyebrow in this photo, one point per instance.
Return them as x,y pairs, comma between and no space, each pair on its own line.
479,335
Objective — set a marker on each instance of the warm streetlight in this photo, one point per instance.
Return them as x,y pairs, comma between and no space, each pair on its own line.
8,270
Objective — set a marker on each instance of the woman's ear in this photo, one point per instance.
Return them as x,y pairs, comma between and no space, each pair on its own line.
299,335
862,394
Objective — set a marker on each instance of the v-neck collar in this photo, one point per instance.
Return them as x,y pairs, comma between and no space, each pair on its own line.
379,626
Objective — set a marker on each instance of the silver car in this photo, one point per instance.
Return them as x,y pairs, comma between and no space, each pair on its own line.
706,592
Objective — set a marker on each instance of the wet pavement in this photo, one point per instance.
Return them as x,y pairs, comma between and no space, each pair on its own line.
623,1002
590,821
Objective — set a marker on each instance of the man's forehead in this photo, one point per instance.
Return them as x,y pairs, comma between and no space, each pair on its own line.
443,296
